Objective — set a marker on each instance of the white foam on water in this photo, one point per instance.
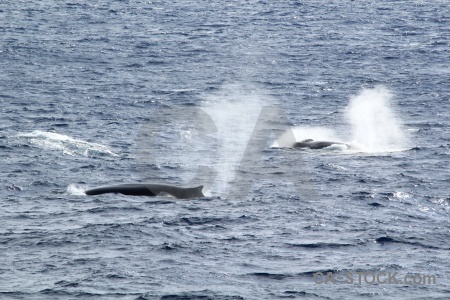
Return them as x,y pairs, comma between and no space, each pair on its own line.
66,144
72,189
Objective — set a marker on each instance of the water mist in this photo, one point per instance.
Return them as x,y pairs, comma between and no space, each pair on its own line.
374,125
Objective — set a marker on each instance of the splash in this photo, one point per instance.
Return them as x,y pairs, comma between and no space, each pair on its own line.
66,144
72,189
375,127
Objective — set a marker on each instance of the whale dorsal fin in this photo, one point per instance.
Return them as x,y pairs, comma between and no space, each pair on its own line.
307,140
196,192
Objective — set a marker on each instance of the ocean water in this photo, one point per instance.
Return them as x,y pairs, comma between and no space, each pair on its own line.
214,93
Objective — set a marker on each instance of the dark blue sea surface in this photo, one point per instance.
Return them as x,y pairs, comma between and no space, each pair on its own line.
196,93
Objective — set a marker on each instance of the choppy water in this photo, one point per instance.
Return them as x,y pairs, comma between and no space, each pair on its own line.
170,92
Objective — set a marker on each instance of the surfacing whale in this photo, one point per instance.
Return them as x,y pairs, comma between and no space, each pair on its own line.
311,144
148,189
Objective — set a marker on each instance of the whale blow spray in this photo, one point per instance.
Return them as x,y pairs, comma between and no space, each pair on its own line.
374,124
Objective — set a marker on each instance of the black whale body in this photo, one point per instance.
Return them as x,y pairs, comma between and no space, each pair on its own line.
311,144
148,189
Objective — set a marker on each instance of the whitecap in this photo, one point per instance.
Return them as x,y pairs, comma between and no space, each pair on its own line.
66,144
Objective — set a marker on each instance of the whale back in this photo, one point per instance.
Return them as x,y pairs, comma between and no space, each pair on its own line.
147,189
310,143
177,192
124,189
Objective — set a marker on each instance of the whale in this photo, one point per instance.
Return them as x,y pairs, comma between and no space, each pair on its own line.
311,144
148,189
